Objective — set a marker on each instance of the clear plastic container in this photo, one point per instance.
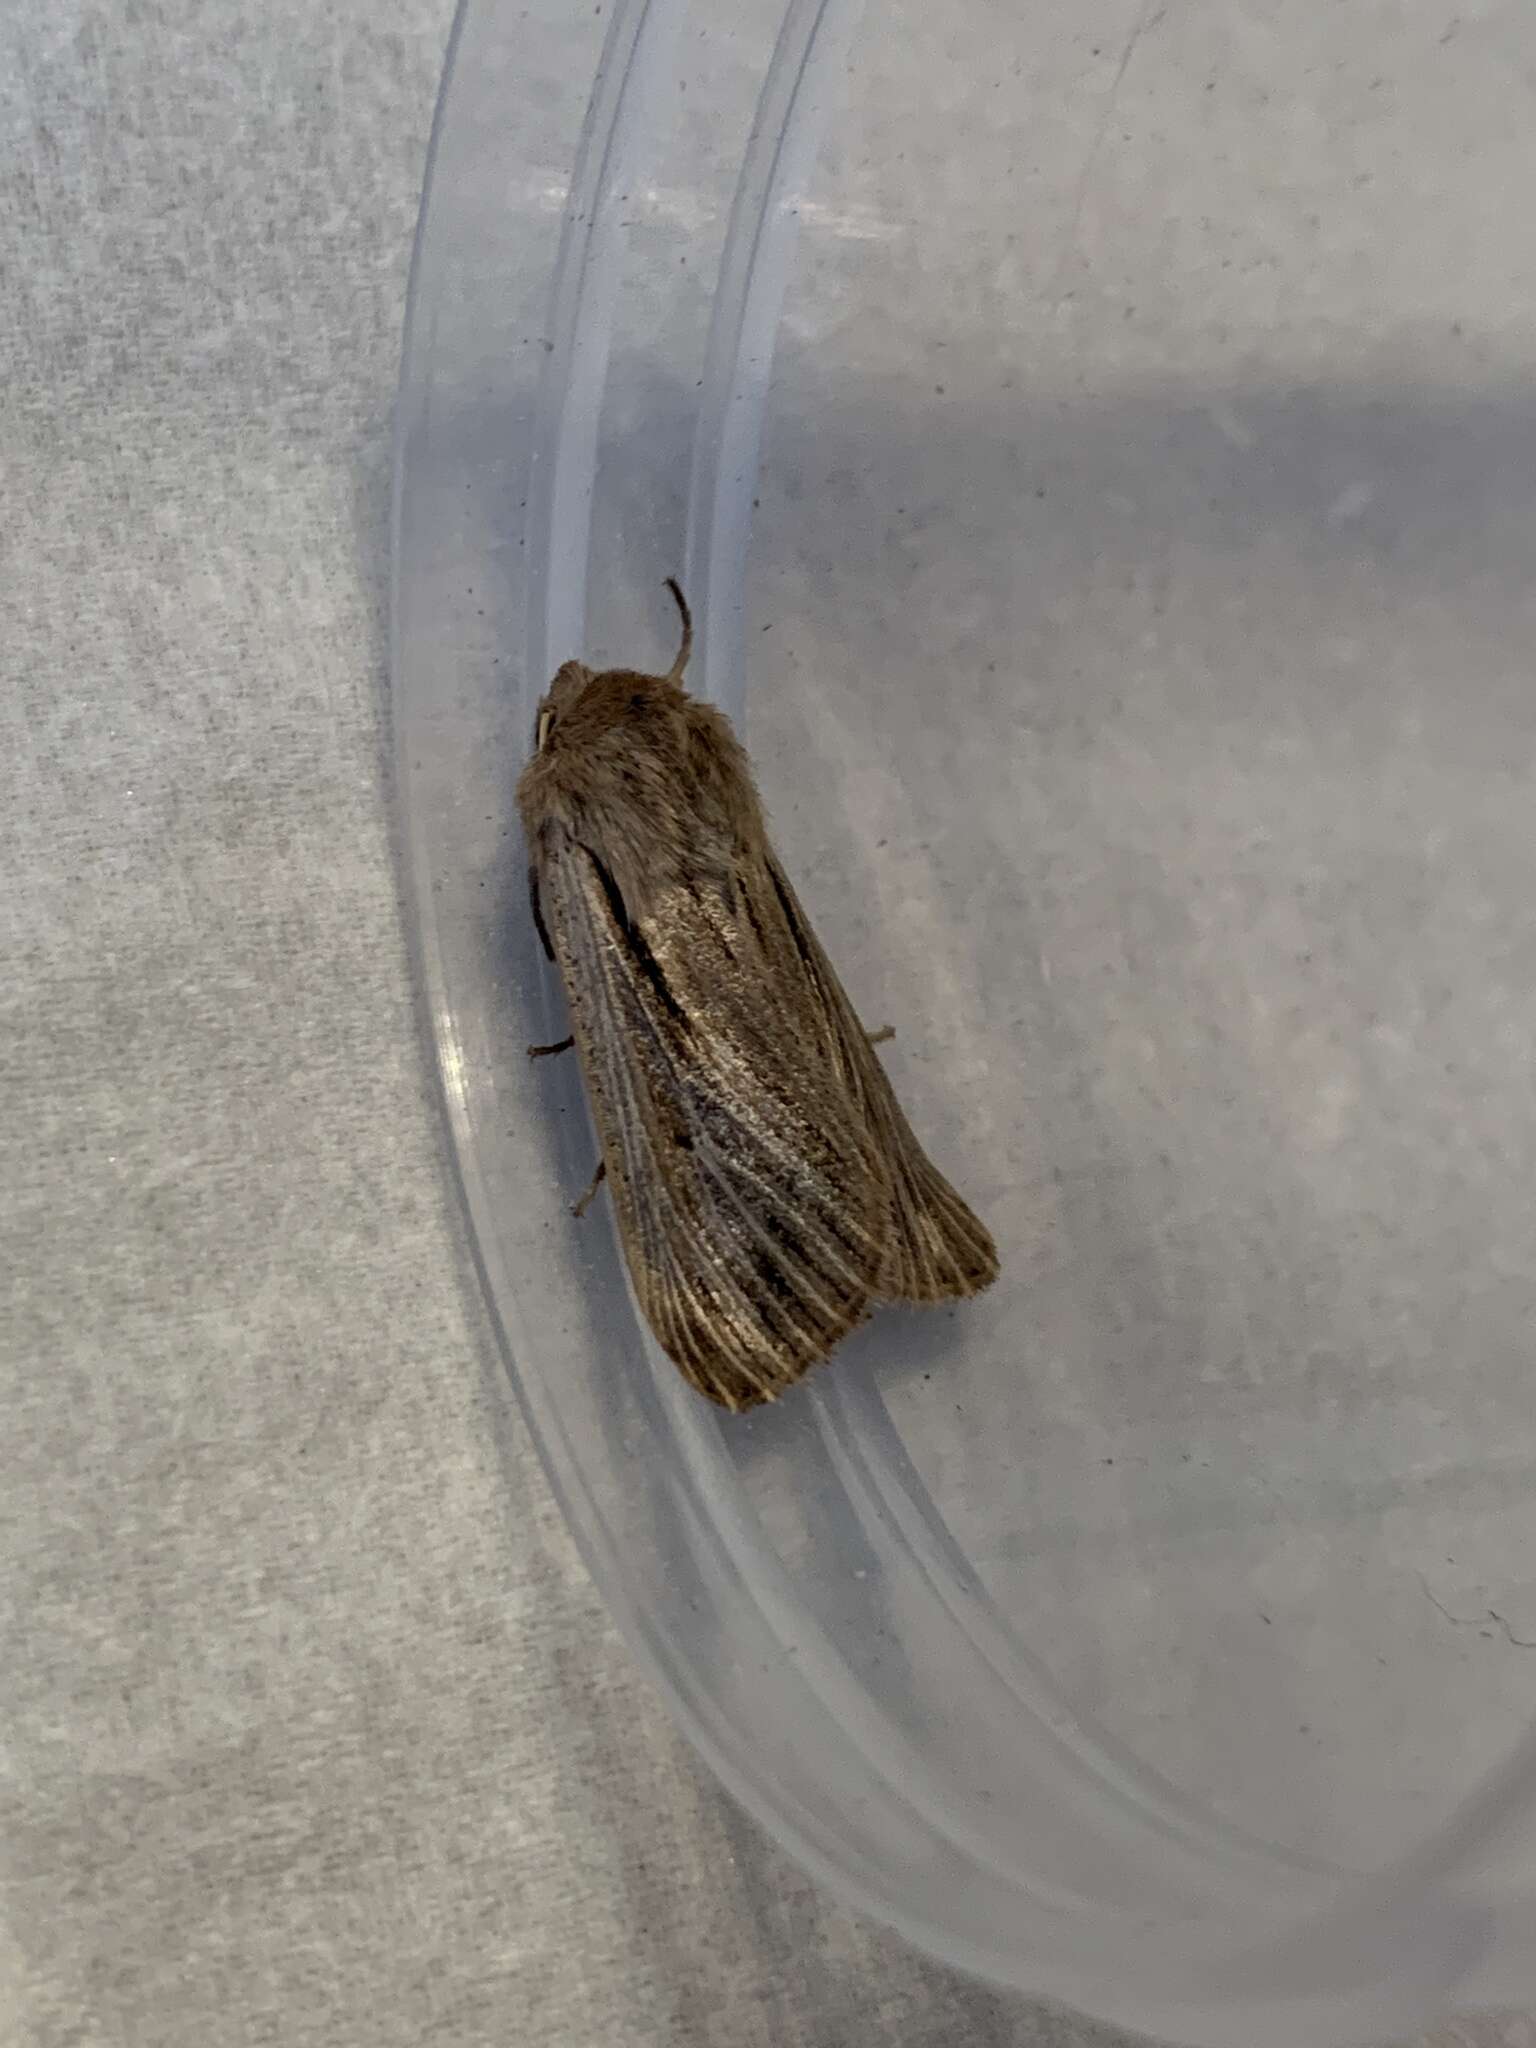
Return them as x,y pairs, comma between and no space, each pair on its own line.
1103,441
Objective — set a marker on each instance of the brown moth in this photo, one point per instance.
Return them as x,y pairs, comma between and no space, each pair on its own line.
769,1190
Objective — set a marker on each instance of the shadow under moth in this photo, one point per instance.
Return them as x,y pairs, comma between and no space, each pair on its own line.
769,1191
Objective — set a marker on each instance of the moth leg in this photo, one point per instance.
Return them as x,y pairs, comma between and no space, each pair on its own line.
538,913
879,1037
541,1052
580,1208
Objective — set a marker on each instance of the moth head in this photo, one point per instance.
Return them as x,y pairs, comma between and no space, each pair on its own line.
571,679
603,700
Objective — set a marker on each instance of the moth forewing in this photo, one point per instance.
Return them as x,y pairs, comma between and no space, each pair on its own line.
767,1188
938,1250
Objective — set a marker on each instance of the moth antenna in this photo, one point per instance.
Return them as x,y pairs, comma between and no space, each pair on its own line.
675,672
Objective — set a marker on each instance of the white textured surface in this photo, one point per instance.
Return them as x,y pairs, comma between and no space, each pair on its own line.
313,1728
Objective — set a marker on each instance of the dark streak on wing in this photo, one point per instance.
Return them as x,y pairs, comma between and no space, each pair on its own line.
537,908
645,959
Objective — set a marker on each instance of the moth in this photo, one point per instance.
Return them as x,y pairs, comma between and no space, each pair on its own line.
768,1189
